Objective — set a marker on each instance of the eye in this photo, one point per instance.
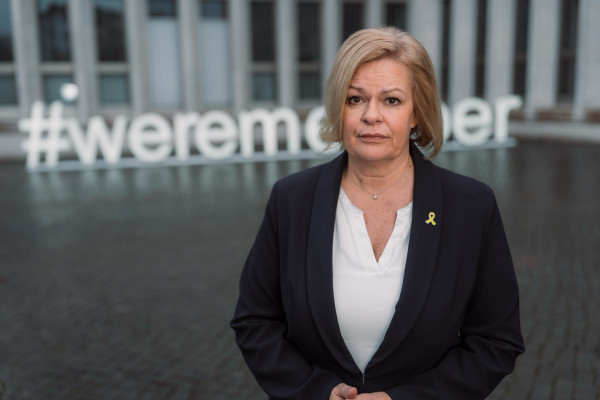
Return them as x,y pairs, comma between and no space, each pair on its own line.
353,100
392,101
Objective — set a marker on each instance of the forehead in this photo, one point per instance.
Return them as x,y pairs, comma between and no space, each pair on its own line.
384,71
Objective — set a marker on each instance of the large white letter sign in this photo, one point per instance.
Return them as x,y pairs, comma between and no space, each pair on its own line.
269,121
182,124
480,123
206,132
447,121
503,106
160,136
292,127
247,121
312,126
111,146
36,144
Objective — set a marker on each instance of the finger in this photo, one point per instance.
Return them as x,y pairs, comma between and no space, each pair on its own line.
351,393
348,392
336,392
344,391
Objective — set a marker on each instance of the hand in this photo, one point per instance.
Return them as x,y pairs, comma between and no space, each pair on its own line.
373,396
343,392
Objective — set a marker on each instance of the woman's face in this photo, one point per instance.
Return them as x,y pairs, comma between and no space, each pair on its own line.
378,113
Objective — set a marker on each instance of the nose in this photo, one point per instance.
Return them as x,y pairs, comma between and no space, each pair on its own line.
372,114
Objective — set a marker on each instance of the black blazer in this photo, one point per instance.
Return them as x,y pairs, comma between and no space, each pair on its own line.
455,332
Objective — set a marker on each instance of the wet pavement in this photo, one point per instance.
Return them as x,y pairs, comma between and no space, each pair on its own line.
120,284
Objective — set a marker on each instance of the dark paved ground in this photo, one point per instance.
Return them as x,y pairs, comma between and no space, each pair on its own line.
120,284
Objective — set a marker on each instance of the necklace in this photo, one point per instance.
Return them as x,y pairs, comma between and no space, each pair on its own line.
389,187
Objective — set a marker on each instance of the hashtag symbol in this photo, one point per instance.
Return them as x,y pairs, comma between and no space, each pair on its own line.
37,144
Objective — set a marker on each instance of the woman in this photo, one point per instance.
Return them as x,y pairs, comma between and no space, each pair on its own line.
379,275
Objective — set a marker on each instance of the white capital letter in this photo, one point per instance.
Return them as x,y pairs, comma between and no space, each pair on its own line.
98,136
227,133
247,121
292,127
182,125
312,126
447,121
481,123
36,144
503,106
161,136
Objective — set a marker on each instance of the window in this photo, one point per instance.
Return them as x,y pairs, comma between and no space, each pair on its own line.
110,30
113,89
263,28
309,81
215,54
263,86
353,18
163,40
263,51
6,50
8,90
481,45
568,50
309,87
521,38
445,49
54,86
308,32
210,9
396,15
54,30
162,8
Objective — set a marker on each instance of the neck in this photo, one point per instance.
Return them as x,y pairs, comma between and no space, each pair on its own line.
377,175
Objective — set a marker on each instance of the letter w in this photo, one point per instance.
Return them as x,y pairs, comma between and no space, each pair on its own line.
98,136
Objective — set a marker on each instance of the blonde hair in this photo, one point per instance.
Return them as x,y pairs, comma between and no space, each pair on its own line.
379,43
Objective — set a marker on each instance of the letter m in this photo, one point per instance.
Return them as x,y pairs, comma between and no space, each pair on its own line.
269,121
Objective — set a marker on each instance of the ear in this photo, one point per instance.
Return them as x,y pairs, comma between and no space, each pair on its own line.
413,121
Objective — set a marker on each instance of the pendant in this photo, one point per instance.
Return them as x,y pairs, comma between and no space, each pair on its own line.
374,196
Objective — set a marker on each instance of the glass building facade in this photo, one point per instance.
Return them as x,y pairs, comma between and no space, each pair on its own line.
309,39
55,39
263,51
8,87
195,55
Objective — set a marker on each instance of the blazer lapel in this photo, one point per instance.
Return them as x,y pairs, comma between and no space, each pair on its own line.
422,254
319,261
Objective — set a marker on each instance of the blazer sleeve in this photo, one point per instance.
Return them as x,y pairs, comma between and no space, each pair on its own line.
490,333
260,324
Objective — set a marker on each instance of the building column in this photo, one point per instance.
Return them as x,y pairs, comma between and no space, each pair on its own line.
189,18
374,14
587,65
135,27
287,52
83,42
27,53
500,48
240,46
463,15
331,33
542,56
425,24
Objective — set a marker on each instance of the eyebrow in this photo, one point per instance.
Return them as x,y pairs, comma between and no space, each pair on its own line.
392,89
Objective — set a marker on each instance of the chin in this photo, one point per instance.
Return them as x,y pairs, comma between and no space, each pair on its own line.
372,153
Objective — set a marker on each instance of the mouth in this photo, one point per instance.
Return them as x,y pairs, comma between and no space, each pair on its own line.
372,137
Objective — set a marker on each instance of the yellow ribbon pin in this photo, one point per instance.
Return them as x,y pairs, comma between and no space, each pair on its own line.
431,217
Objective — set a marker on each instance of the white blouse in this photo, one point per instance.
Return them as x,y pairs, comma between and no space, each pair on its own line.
366,291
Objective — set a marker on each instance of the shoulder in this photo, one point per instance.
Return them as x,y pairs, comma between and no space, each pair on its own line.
302,180
461,183
463,193
297,189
